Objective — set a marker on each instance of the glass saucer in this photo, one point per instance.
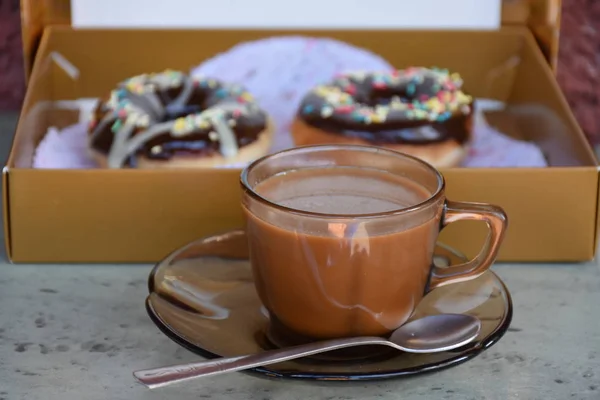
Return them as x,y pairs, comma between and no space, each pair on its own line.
202,296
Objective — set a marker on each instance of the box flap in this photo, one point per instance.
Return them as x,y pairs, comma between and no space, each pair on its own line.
35,16
542,17
6,213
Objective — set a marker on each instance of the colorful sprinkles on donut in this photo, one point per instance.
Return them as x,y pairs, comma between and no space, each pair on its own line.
413,94
161,114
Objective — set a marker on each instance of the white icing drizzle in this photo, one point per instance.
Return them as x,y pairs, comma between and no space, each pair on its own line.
227,139
125,145
137,100
186,93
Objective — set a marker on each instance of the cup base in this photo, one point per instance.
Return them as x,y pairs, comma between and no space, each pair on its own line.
277,335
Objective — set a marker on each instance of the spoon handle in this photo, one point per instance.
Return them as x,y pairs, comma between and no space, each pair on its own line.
160,377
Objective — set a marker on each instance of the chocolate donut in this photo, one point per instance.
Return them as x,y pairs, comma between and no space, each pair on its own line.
170,119
417,111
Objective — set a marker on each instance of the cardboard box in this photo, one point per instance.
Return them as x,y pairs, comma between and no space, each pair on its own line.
140,216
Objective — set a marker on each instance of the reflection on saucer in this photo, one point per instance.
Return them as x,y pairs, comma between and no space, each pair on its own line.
463,298
194,297
264,311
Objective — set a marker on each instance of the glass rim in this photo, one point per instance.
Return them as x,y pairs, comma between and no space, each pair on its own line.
441,183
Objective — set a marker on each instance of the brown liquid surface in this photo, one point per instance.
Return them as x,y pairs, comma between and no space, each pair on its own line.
340,277
342,191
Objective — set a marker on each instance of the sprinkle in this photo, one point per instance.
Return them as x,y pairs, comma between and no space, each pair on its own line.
214,136
237,90
321,91
236,113
443,116
434,105
231,122
156,149
190,122
379,85
378,118
247,97
345,109
143,120
132,119
221,93
326,112
307,109
116,126
351,89
420,114
358,117
411,89
179,125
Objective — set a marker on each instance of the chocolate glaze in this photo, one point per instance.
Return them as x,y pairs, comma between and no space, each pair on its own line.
237,111
406,132
415,106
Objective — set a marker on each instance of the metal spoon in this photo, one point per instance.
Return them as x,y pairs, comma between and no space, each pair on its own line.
430,334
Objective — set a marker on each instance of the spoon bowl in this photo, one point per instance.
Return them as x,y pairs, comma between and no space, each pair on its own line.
430,334
436,333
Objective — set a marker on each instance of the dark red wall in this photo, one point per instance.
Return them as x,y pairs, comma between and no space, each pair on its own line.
578,70
579,62
11,64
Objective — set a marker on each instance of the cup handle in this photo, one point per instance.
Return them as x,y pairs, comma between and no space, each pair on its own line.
496,220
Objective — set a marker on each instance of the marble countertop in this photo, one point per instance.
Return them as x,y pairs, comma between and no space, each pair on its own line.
78,331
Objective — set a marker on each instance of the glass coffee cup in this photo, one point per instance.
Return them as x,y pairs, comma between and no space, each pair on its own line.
341,237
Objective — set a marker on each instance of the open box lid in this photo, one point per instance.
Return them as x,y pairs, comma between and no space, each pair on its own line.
541,16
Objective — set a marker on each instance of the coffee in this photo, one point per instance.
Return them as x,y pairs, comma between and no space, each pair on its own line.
341,238
342,276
